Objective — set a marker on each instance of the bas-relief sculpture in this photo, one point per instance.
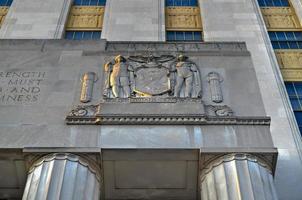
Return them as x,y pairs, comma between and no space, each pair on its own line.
147,76
148,89
88,80
214,80
118,78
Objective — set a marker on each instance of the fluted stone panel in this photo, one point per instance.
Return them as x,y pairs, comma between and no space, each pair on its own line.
62,176
237,177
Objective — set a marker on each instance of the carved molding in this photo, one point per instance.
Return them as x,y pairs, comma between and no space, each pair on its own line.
214,115
3,12
280,18
183,19
86,18
290,62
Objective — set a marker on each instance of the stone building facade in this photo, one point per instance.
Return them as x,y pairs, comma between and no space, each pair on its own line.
126,112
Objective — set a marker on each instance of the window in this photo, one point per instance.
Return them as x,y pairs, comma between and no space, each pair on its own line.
6,2
83,35
286,39
183,20
89,2
184,36
273,3
294,90
181,3
85,20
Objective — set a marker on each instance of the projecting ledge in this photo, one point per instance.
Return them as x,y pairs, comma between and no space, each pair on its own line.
92,48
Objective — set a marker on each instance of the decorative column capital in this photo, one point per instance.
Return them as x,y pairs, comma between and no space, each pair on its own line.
83,160
63,176
220,159
237,176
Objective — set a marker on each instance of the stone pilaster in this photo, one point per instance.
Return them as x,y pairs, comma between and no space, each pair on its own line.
27,19
134,20
63,176
237,176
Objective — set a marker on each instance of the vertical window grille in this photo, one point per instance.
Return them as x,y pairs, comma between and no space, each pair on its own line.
6,2
294,90
273,3
286,39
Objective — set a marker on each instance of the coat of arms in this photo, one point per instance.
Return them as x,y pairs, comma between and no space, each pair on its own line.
145,76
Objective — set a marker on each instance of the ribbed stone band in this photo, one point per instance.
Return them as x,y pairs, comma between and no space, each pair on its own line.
237,176
63,176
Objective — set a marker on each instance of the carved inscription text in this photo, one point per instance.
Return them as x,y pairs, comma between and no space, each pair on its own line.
20,87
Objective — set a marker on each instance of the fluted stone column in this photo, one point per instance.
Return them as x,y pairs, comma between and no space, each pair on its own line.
237,176
63,176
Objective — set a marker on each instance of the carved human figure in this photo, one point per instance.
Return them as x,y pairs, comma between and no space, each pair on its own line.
118,78
187,76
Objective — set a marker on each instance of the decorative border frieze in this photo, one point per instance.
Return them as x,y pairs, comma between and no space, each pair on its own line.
215,115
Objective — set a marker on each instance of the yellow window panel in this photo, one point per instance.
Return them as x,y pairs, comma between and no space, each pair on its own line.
280,18
3,12
183,18
292,75
86,18
290,63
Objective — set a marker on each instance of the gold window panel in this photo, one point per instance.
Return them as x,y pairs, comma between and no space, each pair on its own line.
290,63
183,18
86,18
3,12
280,19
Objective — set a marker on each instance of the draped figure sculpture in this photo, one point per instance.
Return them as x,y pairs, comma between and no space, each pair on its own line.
119,78
187,78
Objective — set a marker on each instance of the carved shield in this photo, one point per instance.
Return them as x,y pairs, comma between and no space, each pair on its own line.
152,81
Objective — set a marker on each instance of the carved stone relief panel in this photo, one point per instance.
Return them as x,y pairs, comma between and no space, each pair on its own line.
214,80
290,62
280,18
3,12
152,89
85,18
147,76
183,18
